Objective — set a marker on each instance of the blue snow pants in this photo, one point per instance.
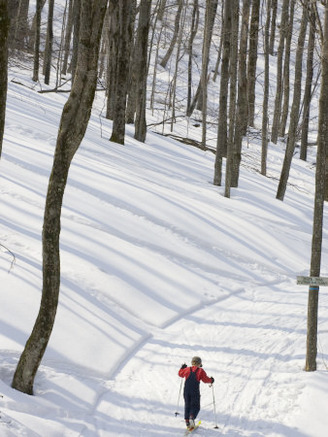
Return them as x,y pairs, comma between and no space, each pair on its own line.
191,396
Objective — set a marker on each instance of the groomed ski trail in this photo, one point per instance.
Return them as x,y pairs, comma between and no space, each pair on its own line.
258,379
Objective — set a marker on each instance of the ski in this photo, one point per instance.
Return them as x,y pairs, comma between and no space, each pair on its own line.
190,431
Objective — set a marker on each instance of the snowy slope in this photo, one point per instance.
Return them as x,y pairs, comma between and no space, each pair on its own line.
157,266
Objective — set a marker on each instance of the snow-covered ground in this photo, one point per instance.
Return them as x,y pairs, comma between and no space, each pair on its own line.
157,266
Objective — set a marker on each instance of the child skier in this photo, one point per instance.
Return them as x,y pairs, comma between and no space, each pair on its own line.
191,393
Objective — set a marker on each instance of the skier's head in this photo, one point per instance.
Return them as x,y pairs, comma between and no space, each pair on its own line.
196,361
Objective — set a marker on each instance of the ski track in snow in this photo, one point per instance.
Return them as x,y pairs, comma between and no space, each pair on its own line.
242,393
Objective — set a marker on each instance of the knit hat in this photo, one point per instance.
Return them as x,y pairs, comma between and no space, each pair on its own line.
196,361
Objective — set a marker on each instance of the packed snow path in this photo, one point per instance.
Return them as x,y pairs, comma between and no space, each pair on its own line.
248,347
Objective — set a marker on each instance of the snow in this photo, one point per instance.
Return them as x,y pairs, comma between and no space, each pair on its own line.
157,266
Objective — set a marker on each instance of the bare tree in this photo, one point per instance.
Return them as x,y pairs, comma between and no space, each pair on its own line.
21,25
320,187
142,69
308,86
49,43
73,124
242,103
274,8
123,41
265,118
294,114
39,5
4,29
211,6
286,78
175,35
252,59
221,146
193,32
280,55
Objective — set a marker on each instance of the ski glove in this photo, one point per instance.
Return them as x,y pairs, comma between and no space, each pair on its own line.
183,366
212,379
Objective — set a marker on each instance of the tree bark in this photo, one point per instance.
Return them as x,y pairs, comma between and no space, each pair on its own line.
281,47
321,183
36,64
4,29
221,146
252,59
242,103
121,68
308,87
142,68
175,35
286,73
294,114
73,124
265,118
49,42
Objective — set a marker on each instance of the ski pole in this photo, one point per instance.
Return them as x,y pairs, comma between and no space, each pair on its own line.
214,408
176,413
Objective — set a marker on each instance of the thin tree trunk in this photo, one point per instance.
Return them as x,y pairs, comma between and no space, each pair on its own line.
308,86
4,29
36,64
286,80
175,35
221,145
321,186
274,6
211,6
252,59
242,104
278,99
68,36
265,118
294,115
49,42
142,67
193,32
21,30
74,121
123,41
231,146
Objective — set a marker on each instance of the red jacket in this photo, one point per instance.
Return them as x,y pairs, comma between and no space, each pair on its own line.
200,374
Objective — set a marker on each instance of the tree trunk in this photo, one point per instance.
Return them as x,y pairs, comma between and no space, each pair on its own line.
265,118
193,32
74,121
142,68
36,65
242,103
313,297
294,114
121,69
278,99
274,7
231,146
21,28
252,59
175,35
68,36
76,36
286,80
49,42
211,6
221,145
4,29
308,87
32,33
